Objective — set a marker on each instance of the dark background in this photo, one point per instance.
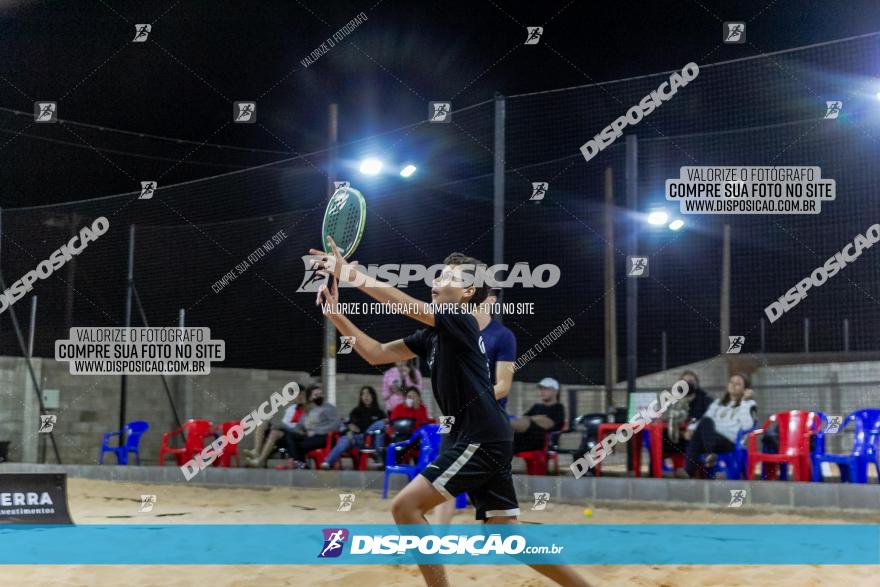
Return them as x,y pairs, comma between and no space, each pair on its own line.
216,204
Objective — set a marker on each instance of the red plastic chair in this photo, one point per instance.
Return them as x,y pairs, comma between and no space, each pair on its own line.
319,455
360,457
224,458
795,429
196,433
536,460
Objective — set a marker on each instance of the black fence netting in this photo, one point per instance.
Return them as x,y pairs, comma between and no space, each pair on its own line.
766,111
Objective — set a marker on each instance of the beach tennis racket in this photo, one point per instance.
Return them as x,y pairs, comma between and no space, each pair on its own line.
344,220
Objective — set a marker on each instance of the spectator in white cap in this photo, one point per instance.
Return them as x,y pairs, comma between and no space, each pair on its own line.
548,415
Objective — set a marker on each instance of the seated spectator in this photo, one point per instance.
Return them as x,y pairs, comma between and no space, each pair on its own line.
396,380
310,432
366,417
684,413
716,432
548,415
413,409
698,400
269,436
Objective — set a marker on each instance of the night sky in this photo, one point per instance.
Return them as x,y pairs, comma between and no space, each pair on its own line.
201,56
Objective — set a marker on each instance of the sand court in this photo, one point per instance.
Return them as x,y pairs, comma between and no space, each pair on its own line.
110,502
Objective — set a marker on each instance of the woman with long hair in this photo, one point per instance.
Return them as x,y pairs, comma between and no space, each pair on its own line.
717,430
366,418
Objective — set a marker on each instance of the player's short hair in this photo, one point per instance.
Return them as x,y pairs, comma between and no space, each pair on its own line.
415,390
481,292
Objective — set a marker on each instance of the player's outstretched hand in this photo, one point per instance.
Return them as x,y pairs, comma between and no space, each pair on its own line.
333,262
328,297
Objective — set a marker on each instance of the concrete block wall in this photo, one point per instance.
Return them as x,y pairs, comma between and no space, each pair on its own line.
90,405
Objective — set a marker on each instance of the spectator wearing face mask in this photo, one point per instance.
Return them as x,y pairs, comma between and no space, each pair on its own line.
319,420
411,408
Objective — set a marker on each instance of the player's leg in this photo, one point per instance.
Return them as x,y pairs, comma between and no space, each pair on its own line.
562,574
496,503
444,512
409,507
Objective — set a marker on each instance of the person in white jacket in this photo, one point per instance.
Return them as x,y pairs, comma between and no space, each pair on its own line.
716,432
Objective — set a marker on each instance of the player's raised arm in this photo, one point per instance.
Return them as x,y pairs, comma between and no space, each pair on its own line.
371,350
380,291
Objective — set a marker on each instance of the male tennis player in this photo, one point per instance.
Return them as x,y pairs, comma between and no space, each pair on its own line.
475,456
500,346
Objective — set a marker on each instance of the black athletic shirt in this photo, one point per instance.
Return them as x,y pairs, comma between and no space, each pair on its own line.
454,352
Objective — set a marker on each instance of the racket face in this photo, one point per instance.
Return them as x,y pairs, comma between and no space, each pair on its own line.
344,220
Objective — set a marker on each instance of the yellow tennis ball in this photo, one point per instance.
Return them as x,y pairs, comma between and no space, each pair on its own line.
588,513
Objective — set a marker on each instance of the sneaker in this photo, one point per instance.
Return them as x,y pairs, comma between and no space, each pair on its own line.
290,464
285,466
325,466
249,453
252,462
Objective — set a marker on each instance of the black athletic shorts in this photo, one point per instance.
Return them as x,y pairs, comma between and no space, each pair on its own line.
481,470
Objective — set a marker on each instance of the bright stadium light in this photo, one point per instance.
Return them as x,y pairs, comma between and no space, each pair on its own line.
407,170
676,224
877,95
371,166
658,217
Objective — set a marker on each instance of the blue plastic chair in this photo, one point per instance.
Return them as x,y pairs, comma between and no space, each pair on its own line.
429,447
865,450
133,432
732,463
